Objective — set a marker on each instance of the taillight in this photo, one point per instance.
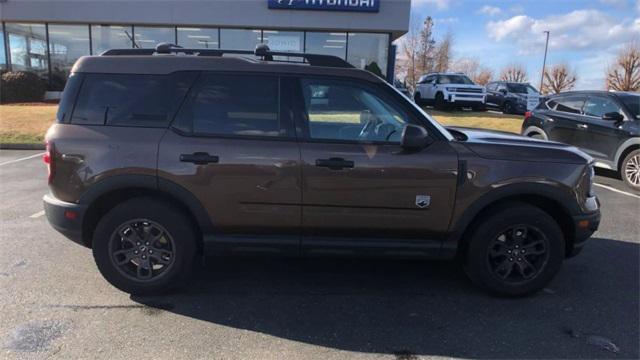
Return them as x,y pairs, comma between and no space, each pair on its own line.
527,115
49,160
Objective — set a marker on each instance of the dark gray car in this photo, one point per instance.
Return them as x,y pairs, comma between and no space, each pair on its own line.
511,97
158,158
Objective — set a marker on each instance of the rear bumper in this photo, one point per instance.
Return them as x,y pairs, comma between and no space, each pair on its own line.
585,226
65,217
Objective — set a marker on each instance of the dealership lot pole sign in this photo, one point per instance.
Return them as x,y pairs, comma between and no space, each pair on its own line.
327,5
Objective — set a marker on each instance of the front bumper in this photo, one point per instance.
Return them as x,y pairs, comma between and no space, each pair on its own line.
585,226
465,99
65,217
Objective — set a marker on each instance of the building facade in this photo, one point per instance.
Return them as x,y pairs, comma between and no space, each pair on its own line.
47,37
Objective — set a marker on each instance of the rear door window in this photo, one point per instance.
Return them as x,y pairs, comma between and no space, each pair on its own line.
130,99
572,105
233,105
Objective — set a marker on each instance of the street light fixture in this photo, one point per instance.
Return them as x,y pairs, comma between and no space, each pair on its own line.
544,62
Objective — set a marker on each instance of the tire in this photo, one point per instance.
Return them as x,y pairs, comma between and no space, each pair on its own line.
507,108
440,104
492,250
130,228
418,99
630,170
535,132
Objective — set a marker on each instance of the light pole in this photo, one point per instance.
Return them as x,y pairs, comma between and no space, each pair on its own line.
544,62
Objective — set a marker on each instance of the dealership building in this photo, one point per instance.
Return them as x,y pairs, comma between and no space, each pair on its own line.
47,37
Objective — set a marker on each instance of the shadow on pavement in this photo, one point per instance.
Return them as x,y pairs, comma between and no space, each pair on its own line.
422,308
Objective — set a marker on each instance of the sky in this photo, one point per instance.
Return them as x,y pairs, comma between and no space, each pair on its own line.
585,34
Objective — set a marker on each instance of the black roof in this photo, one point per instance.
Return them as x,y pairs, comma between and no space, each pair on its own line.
167,58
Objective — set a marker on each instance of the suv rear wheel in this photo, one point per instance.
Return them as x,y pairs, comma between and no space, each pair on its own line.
516,250
630,170
144,246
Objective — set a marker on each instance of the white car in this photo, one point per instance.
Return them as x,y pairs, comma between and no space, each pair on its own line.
449,90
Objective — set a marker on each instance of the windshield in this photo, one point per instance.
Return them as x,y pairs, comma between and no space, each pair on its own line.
454,79
521,88
632,102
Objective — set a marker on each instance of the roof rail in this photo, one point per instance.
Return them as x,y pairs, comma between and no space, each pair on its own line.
262,51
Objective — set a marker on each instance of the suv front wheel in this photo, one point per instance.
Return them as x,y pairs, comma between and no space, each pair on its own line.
515,250
144,246
631,170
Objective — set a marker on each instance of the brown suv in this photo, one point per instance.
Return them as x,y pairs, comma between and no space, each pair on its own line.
158,157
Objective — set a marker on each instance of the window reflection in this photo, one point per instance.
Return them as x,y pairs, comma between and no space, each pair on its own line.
67,43
198,38
106,37
3,56
28,47
149,37
369,52
291,41
239,39
334,44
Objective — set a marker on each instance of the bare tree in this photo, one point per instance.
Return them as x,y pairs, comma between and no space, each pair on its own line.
558,78
483,76
442,56
625,74
417,51
471,67
514,73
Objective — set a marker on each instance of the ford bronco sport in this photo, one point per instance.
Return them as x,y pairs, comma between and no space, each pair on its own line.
161,156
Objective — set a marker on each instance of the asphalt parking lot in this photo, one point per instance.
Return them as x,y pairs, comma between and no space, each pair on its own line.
56,304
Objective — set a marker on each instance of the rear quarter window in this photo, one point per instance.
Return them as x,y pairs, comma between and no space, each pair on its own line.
130,99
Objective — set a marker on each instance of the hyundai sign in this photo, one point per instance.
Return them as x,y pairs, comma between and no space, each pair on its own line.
331,5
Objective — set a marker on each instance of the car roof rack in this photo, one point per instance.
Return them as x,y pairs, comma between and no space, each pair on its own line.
262,51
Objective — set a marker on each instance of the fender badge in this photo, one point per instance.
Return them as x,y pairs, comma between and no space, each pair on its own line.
423,201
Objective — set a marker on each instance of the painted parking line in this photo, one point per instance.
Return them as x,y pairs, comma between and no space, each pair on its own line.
616,190
37,215
21,159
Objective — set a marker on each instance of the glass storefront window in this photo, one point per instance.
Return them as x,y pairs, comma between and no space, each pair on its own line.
290,41
326,44
150,36
369,52
198,38
3,56
106,37
28,47
239,39
67,43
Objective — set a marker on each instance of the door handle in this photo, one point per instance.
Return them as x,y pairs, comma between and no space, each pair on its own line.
582,126
199,158
334,163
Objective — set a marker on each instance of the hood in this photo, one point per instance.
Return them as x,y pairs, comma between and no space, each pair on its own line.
507,146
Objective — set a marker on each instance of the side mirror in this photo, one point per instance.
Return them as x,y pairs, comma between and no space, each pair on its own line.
613,116
414,137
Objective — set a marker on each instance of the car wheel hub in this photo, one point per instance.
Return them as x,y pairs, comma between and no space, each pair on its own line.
141,250
518,254
632,170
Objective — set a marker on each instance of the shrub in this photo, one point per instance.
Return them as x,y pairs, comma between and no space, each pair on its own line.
21,86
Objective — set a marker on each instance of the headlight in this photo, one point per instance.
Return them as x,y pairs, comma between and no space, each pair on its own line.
591,173
452,89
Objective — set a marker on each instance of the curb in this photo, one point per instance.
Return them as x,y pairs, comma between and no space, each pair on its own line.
22,146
